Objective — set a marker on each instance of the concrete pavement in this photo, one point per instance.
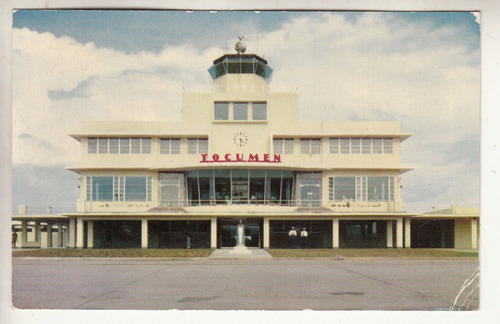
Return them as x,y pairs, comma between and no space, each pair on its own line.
250,284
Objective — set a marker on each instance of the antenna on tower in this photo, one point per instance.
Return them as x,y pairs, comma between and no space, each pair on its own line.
258,40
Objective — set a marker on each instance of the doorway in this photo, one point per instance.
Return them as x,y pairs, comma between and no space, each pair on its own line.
227,232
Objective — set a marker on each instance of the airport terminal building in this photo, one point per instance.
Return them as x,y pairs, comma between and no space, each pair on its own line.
241,167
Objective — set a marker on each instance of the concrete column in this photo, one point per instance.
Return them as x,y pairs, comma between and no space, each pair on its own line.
213,233
407,232
335,233
144,233
37,232
72,232
399,233
24,232
49,235
473,233
90,234
60,235
79,232
265,233
389,233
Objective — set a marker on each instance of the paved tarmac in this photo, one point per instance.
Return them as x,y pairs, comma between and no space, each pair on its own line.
249,284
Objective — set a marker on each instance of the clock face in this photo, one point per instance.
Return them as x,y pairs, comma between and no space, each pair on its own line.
240,139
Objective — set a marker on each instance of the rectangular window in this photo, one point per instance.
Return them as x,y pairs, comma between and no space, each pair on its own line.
119,188
331,188
310,192
103,145
149,181
278,146
259,111
116,192
113,146
135,145
202,146
334,145
288,145
135,189
283,146
102,188
197,146
378,189
315,146
366,145
355,145
89,188
221,111
345,188
391,188
310,146
170,146
124,145
92,146
377,145
344,146
145,145
240,111
361,188
387,145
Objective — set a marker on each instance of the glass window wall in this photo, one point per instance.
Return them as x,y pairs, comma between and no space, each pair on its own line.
239,186
361,188
102,188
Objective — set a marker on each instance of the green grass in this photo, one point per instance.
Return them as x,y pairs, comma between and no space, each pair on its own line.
277,253
368,253
114,253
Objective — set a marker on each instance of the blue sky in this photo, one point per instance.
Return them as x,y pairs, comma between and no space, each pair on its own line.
421,69
135,31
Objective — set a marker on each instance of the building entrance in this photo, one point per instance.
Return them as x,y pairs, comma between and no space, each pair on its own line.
227,232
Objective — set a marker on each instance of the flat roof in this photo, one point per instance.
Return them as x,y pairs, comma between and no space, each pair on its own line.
223,57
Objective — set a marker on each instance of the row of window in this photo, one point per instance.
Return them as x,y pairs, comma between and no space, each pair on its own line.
200,146
239,186
337,146
143,146
361,145
119,188
119,145
240,111
361,188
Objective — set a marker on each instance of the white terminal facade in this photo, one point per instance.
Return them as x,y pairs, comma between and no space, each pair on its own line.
241,157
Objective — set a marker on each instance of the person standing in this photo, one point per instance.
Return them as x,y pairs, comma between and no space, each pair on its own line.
303,238
293,235
14,239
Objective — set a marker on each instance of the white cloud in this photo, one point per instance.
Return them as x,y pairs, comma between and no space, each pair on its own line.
376,67
117,87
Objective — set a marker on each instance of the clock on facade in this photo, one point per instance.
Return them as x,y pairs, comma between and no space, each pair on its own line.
240,139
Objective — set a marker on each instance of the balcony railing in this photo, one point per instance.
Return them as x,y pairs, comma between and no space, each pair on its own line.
240,202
